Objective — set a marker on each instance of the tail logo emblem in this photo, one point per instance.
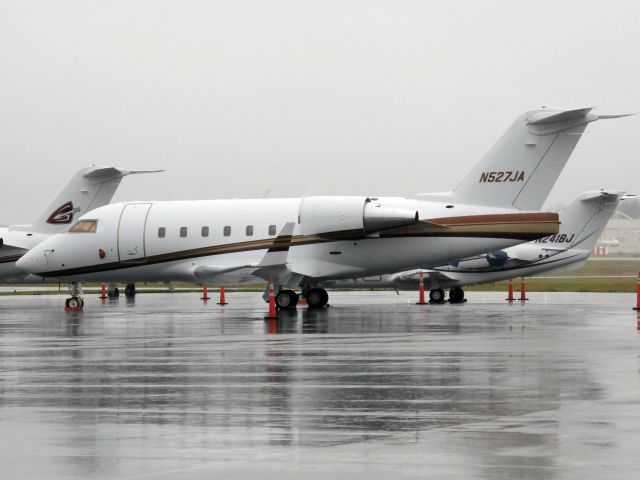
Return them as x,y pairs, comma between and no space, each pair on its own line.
63,214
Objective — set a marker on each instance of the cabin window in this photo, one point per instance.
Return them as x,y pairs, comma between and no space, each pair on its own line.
85,226
162,232
183,232
227,231
204,231
272,229
249,231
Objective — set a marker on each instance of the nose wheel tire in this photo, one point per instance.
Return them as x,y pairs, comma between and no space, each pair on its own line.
456,295
286,299
74,304
317,298
436,296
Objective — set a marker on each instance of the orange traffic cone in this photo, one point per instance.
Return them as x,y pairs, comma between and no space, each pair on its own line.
205,293
421,290
523,291
104,295
223,300
273,314
510,291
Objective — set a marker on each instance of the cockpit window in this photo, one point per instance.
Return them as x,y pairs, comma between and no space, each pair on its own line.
84,226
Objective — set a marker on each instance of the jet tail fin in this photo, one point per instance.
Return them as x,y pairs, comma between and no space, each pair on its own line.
522,167
584,219
89,188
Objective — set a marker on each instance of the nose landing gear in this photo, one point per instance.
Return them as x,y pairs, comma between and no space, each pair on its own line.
75,303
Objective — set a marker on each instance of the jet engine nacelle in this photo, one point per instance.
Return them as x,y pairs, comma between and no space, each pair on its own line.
492,259
356,215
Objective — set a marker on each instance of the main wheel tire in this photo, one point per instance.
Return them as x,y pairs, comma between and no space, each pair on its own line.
436,296
286,299
456,295
317,298
295,298
130,290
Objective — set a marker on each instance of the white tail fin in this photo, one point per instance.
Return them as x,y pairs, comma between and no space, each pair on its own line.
584,219
89,188
520,170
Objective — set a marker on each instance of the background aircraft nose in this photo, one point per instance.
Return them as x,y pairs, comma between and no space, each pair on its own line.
30,261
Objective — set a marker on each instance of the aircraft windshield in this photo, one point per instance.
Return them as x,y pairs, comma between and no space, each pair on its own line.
84,226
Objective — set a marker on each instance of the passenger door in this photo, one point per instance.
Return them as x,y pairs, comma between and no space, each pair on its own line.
131,232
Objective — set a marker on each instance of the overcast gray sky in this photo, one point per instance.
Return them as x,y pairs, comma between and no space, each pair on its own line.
237,98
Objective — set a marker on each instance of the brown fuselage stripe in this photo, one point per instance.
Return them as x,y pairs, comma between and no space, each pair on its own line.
502,217
501,227
281,244
12,258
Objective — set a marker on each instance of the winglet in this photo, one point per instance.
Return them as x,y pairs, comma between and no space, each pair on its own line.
278,251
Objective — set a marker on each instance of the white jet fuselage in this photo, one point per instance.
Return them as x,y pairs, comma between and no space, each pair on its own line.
167,241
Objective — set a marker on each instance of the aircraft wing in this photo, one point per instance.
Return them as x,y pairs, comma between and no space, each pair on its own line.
205,272
432,278
273,264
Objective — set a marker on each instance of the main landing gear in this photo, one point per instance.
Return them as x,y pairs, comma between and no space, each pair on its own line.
130,290
75,303
316,298
456,295
286,299
113,291
436,296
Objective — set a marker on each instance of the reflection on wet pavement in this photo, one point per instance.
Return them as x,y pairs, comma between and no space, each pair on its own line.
168,387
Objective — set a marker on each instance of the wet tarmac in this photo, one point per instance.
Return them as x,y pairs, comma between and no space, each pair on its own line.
373,387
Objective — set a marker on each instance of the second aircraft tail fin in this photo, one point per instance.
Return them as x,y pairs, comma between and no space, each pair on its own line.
584,219
89,188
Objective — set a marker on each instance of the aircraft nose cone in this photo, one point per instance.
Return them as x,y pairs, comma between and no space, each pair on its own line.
29,261
22,262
